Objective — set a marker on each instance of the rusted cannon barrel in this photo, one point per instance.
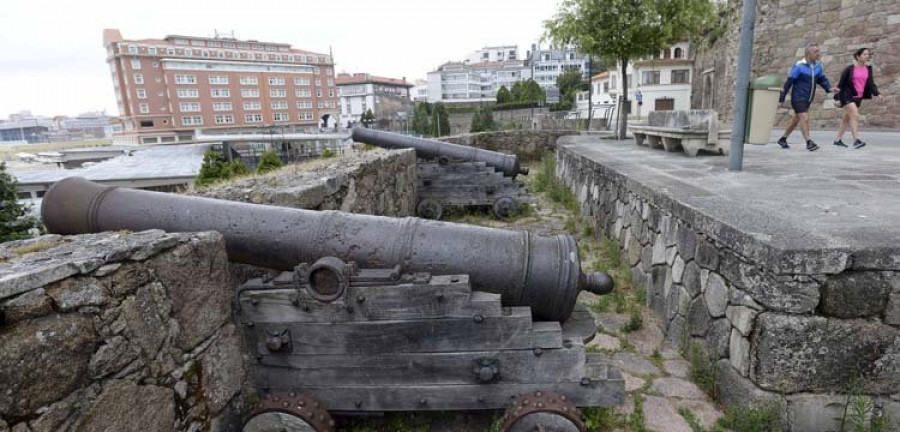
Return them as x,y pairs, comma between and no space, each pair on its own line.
542,272
434,149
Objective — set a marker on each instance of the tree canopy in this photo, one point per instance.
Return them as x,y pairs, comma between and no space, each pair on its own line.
420,119
14,224
569,83
503,95
483,120
620,30
440,120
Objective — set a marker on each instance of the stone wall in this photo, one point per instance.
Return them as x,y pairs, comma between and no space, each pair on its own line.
783,28
527,145
118,331
376,182
799,330
539,119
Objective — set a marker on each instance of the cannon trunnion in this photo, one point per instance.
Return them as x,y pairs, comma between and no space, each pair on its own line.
383,340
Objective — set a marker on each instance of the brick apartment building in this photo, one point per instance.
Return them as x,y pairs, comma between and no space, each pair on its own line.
166,89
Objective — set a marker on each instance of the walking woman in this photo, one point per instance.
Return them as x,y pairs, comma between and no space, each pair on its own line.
857,83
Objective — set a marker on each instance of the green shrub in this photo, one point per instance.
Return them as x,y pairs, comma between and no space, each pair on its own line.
327,153
213,169
269,161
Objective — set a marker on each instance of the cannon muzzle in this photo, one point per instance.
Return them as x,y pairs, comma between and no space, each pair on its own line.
434,149
542,272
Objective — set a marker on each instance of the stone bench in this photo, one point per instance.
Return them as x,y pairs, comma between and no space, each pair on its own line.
690,131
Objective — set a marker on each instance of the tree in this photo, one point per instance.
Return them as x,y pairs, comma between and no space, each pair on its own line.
568,83
213,169
367,118
14,224
269,161
440,120
532,92
483,120
620,30
503,95
517,92
420,119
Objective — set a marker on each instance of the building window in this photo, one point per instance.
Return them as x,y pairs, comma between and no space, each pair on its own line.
135,64
220,93
678,53
249,80
191,120
681,76
224,119
189,107
318,82
307,116
138,79
301,81
302,93
189,52
250,106
330,82
205,53
151,50
320,104
330,93
155,65
667,53
280,105
281,117
132,50
141,94
276,81
145,108
279,93
220,54
252,118
318,93
304,104
221,106
649,77
170,51
147,124
185,79
188,93
220,80
250,93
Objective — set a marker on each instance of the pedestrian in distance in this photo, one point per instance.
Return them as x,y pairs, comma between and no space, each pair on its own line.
857,83
801,82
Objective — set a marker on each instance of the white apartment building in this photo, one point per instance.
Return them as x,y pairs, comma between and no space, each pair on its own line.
458,82
549,63
419,91
494,54
360,92
662,82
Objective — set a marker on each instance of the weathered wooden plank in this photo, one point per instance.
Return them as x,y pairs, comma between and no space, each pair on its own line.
513,331
456,397
513,366
580,325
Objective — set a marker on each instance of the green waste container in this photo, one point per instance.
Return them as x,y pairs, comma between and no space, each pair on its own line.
762,105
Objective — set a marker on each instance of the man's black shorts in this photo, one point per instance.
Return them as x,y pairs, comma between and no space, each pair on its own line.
800,106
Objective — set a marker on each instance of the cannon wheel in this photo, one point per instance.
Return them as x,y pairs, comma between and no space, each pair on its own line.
505,207
289,412
542,411
429,209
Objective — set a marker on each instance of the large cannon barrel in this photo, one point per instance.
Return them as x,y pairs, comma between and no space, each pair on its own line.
542,272
433,149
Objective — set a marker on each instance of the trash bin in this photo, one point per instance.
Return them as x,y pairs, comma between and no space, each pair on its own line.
762,105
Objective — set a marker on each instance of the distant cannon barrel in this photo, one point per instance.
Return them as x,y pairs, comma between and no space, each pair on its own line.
542,272
434,149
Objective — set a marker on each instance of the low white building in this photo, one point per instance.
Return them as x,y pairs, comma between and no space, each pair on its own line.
458,82
660,83
494,54
386,97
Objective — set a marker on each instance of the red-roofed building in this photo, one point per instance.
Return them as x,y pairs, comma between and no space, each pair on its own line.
388,98
168,88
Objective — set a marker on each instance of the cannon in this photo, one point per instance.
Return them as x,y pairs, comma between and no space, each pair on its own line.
452,175
375,314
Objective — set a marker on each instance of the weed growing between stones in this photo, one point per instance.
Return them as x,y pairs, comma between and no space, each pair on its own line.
546,182
635,323
598,419
703,372
861,413
761,418
636,420
691,420
657,359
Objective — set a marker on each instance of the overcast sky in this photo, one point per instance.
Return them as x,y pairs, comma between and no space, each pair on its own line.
53,61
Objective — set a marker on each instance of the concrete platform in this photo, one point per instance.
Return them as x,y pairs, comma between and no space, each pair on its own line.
799,212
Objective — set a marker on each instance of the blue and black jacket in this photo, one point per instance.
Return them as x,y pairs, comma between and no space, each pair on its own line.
803,78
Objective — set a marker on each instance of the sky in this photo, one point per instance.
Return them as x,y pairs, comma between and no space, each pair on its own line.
53,61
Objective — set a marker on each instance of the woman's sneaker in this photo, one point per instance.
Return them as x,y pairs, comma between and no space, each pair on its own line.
858,144
840,143
811,145
783,143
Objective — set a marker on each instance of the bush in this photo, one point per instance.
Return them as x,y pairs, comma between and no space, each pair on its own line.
269,161
14,224
213,169
327,153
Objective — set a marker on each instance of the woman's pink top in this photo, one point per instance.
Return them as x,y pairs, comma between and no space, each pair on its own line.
860,76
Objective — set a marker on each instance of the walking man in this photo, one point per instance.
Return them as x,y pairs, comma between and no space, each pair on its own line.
803,77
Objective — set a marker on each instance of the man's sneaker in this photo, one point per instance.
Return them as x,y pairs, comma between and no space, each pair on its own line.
811,145
840,143
783,143
858,144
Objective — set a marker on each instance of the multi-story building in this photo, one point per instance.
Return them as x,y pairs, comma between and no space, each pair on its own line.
494,54
549,63
661,82
168,88
388,98
457,82
419,91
